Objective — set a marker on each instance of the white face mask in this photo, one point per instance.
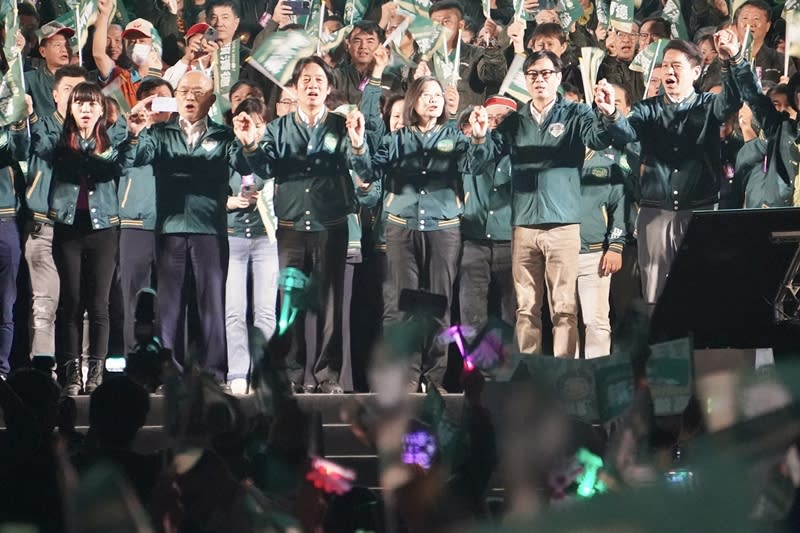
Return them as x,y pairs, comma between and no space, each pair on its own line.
140,53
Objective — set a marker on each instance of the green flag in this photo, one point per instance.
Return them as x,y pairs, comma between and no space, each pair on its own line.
418,8
277,55
589,63
429,37
225,65
669,374
602,14
568,12
651,55
521,13
672,12
354,11
514,82
621,15
12,90
87,10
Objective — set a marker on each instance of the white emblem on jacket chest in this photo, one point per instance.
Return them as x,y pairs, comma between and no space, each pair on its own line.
556,129
329,142
209,144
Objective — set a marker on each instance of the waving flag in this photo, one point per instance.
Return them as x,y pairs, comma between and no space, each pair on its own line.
672,12
12,90
568,12
355,10
277,55
621,15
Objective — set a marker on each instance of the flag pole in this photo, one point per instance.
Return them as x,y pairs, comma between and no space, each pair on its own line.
78,31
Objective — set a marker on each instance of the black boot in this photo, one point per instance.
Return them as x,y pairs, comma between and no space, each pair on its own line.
95,375
73,380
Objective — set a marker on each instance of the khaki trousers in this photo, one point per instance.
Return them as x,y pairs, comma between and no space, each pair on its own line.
546,259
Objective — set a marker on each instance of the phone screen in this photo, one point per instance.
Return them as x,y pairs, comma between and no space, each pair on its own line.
164,104
419,448
115,363
299,7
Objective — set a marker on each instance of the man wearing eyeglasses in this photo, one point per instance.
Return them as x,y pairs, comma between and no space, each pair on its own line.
617,70
191,158
546,141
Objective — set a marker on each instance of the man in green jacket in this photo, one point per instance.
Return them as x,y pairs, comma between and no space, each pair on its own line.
310,153
56,52
191,158
546,142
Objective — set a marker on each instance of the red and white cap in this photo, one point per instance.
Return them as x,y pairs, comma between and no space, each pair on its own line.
137,28
200,27
500,100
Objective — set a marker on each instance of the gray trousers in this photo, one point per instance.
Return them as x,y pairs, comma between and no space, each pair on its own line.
45,286
660,233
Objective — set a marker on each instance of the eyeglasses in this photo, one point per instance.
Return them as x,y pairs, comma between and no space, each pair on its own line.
287,102
533,75
197,93
626,35
430,97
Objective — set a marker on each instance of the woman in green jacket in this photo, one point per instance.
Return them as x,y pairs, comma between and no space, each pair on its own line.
83,204
421,166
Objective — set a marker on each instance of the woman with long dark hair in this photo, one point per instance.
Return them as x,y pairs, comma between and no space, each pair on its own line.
83,204
421,165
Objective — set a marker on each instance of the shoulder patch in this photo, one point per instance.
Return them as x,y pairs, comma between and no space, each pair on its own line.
599,172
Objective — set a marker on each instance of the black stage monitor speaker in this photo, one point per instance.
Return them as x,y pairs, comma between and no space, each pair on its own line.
734,279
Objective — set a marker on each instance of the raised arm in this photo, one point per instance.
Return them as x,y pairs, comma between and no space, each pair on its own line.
105,65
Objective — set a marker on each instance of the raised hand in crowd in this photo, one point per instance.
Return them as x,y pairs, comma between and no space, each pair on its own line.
388,12
727,43
604,95
422,70
488,32
139,116
247,130
355,128
282,15
516,32
451,99
197,48
380,59
479,120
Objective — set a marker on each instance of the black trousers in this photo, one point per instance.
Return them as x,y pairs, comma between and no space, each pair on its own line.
137,260
83,253
486,286
321,255
182,257
423,260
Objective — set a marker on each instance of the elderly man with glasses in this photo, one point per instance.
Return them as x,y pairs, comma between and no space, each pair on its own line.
191,158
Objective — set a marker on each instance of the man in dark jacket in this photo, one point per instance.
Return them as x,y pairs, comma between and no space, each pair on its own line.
191,157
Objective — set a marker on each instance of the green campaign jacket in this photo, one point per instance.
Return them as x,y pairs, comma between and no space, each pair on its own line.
191,186
546,159
603,202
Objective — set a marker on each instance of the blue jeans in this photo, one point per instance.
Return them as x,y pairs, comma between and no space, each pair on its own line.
9,266
262,256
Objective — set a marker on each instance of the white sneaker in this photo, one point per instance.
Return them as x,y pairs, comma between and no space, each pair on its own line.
239,386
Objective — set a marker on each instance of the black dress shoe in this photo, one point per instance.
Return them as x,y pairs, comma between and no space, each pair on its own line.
330,387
